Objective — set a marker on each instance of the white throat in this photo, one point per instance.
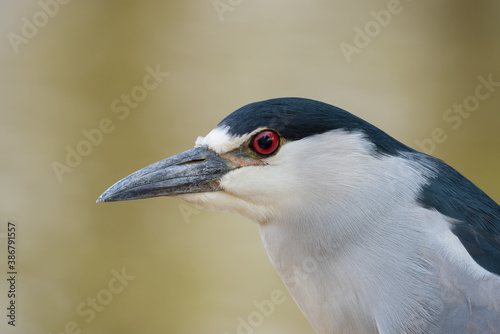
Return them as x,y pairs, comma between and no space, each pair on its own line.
343,228
329,251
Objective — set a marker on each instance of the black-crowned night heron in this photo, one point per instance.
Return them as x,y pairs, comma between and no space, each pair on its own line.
368,235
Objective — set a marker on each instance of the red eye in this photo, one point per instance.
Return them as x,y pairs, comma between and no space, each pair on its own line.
266,142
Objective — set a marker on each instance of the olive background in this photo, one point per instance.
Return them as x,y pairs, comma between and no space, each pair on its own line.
197,271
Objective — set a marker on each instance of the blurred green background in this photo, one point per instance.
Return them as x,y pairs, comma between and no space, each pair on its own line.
63,65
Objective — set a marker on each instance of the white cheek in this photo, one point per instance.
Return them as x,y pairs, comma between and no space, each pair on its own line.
265,185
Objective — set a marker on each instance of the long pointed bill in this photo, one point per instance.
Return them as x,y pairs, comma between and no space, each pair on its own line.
194,171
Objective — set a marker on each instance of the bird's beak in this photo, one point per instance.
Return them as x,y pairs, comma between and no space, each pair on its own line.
194,171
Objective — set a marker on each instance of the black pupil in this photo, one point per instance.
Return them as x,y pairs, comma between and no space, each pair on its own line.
265,142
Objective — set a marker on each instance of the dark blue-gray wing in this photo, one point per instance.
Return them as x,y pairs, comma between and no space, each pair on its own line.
477,215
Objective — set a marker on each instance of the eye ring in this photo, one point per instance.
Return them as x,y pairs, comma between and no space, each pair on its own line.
265,143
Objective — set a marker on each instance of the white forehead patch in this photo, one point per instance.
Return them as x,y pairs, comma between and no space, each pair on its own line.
220,141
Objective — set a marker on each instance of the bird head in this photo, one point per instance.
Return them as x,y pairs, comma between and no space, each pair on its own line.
378,220
268,158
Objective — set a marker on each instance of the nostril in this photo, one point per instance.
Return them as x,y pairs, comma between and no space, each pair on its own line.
194,161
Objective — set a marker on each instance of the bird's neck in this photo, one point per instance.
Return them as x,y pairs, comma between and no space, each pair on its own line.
345,285
358,252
